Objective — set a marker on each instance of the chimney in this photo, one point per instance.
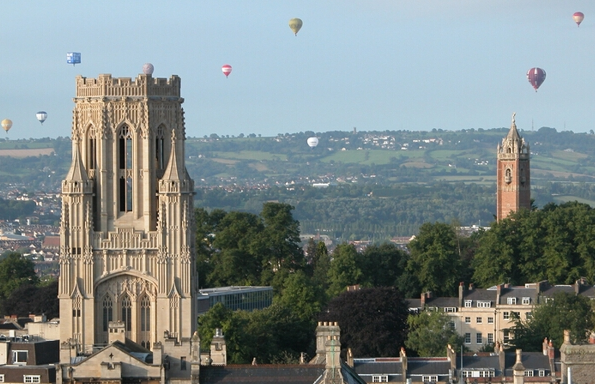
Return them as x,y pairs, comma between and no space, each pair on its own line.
502,358
218,348
566,336
551,354
544,346
519,368
498,293
461,292
423,301
470,286
452,357
349,357
323,330
403,355
116,331
333,356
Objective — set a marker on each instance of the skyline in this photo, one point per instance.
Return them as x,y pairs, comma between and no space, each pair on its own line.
375,65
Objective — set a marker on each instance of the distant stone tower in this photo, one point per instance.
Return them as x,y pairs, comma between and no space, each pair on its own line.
513,174
127,234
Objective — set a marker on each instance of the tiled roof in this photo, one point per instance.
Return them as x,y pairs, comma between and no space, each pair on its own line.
269,373
480,294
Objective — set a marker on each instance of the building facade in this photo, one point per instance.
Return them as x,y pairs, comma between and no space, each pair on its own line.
127,260
513,174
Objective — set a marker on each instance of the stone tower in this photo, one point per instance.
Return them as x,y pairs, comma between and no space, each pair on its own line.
127,238
513,174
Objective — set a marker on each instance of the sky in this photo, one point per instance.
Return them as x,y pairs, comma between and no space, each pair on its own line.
370,64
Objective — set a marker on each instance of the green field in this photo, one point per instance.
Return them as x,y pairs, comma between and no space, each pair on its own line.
251,155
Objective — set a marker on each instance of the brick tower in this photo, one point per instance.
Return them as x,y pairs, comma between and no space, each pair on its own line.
513,174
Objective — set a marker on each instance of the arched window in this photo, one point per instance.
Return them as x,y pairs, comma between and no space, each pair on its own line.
107,312
125,164
508,175
145,314
159,148
92,149
126,317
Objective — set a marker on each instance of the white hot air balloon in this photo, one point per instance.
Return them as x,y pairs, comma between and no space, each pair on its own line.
312,142
41,116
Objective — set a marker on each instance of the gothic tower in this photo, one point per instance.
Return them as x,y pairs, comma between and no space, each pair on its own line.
127,238
513,174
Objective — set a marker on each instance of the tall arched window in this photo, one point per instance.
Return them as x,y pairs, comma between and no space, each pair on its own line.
159,148
126,318
145,321
125,164
91,149
108,314
508,175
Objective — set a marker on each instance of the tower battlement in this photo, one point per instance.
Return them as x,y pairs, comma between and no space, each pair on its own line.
143,86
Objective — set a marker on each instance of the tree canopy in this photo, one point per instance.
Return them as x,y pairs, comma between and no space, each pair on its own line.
430,332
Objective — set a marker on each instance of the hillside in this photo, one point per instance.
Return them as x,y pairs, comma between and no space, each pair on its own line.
378,184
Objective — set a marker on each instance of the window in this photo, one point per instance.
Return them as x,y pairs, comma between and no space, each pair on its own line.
379,378
479,338
183,363
19,357
490,320
450,309
515,315
31,379
1,378
490,338
528,315
126,312
541,373
490,372
429,379
92,150
529,372
453,325
484,304
467,338
526,300
506,315
506,333
511,300
125,164
479,320
107,312
159,149
468,303
467,320
145,314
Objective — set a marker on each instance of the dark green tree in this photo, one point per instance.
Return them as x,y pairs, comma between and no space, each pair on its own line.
373,321
565,311
435,260
430,332
15,271
344,269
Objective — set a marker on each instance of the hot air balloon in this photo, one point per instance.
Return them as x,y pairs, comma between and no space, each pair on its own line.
312,142
41,116
295,24
226,69
578,18
6,124
536,76
148,68
73,58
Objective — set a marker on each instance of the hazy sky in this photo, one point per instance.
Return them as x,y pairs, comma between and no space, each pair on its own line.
370,64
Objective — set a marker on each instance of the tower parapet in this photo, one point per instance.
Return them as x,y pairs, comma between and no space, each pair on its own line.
143,86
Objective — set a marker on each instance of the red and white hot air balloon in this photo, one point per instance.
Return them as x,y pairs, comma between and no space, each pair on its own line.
578,18
536,76
226,69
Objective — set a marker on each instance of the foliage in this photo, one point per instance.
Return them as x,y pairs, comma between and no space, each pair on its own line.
15,271
565,312
430,332
555,243
266,334
344,269
435,259
29,299
373,321
13,209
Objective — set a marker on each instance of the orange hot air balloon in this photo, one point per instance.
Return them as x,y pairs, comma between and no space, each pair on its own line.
6,124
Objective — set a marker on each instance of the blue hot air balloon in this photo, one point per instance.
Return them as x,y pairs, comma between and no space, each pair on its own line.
73,58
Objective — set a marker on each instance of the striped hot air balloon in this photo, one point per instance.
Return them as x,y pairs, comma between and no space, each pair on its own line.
226,69
536,76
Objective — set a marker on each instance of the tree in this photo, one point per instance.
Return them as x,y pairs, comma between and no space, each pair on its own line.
383,265
565,311
435,260
302,295
373,321
29,299
344,269
430,332
15,271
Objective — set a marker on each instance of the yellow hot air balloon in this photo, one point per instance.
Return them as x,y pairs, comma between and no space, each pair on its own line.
6,124
295,24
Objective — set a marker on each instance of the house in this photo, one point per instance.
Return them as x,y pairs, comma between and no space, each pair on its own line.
28,361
